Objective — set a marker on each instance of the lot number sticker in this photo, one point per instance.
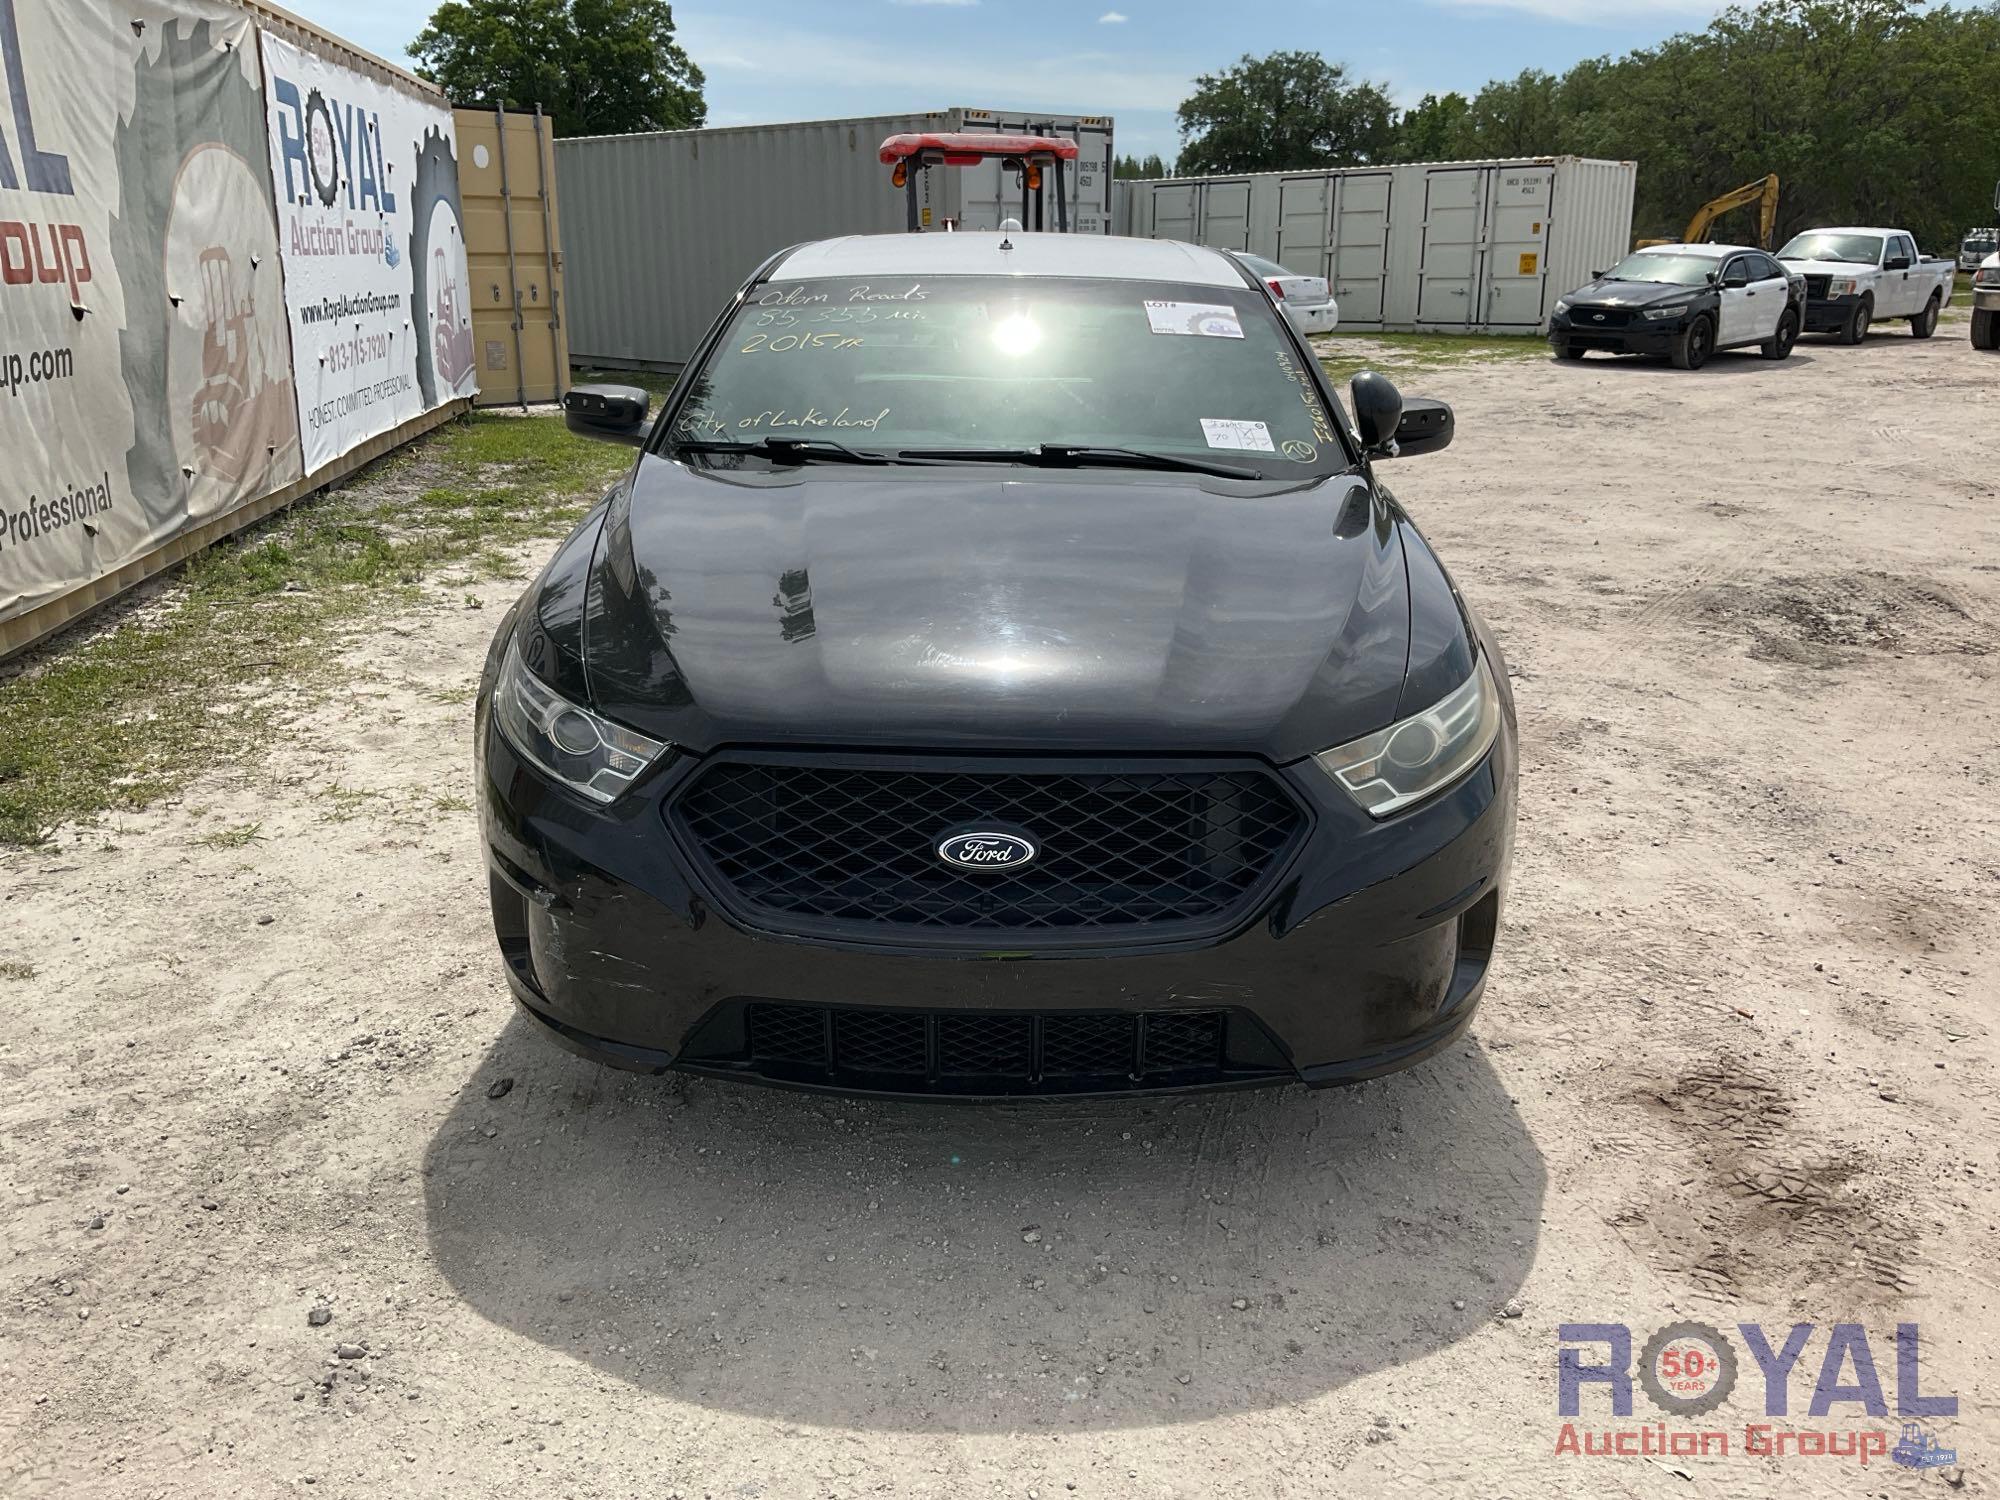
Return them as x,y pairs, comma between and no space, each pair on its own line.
1227,432
1207,320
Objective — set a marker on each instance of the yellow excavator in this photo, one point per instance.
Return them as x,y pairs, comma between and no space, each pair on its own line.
1763,192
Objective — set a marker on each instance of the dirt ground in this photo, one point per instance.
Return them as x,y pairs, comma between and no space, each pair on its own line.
1736,1063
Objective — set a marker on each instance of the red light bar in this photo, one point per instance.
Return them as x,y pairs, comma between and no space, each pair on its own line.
969,148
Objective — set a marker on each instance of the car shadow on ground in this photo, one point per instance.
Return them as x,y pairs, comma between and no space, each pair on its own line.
982,1268
1722,362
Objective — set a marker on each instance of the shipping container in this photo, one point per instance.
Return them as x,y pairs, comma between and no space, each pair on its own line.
1452,247
659,229
513,250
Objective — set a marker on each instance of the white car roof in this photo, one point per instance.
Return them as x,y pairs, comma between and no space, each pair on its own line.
1716,252
1850,229
978,253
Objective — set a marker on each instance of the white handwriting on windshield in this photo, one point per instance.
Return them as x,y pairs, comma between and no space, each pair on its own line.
914,292
812,416
797,296
784,342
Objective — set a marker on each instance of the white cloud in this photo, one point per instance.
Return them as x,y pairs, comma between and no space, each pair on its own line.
1113,18
905,77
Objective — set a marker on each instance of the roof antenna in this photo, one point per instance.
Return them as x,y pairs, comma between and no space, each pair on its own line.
1008,226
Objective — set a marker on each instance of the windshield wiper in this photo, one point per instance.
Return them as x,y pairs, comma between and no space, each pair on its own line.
796,449
1059,455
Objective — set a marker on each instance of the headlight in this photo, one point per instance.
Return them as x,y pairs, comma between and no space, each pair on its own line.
1988,276
1671,310
585,753
1422,754
1562,304
1842,286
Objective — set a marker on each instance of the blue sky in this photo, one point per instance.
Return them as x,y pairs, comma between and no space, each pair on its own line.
1132,59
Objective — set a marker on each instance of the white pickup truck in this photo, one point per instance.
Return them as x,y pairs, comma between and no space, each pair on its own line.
1855,277
1986,304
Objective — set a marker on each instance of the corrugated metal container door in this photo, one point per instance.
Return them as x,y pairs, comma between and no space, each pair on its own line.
1303,220
1517,244
1360,258
1225,213
1176,211
1453,246
513,254
987,194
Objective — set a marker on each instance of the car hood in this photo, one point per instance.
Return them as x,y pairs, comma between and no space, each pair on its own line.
1632,293
1829,267
996,608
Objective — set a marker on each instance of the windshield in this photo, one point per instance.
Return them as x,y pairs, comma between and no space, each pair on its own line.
1979,244
897,366
1861,249
1680,270
1262,266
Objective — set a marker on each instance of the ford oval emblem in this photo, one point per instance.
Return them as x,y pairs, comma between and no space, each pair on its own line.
985,849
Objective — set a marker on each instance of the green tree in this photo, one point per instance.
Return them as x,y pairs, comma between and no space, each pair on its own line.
1131,166
1434,129
600,67
1864,108
1284,110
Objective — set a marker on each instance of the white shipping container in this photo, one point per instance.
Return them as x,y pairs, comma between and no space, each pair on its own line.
1451,247
660,228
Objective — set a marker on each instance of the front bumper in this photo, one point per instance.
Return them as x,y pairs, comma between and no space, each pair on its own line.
1986,299
1640,336
1830,314
1369,951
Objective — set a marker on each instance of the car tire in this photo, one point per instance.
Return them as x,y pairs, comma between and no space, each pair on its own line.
1924,324
1985,329
1856,327
1568,351
1694,343
1780,347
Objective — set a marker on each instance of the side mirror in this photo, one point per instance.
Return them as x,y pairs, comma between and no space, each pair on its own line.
1378,410
1896,263
1426,427
610,413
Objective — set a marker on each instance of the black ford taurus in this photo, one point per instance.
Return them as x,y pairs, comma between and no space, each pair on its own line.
1683,303
1001,672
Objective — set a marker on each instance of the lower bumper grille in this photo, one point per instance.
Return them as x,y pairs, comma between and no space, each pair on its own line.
988,1052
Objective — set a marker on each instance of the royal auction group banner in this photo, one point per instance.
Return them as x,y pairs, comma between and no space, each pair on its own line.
207,249
366,181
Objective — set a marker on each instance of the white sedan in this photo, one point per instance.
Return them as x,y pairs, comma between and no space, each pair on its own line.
1307,300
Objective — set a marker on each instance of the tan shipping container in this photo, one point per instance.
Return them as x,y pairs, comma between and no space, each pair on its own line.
513,249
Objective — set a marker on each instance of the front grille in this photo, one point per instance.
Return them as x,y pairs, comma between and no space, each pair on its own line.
1816,286
812,845
1588,318
947,1050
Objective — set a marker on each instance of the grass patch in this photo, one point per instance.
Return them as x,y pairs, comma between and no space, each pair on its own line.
232,838
127,716
1345,355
